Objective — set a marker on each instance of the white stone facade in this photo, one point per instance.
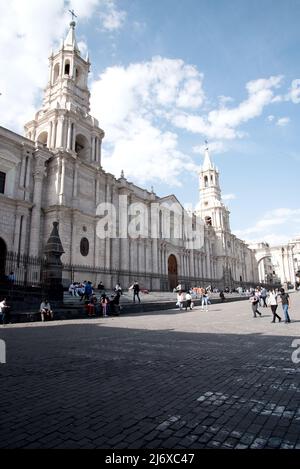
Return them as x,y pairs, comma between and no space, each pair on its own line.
283,261
55,174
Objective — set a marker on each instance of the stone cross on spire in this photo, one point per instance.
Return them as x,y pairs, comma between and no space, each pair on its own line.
73,14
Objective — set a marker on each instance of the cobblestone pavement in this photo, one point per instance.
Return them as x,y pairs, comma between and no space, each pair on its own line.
216,379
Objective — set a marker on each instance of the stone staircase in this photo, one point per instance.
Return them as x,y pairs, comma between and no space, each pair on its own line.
73,308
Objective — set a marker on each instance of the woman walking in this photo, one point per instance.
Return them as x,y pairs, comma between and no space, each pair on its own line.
272,302
254,299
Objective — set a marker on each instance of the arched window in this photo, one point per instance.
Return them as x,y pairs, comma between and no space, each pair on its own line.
208,221
205,181
84,247
56,73
43,138
82,147
77,75
67,67
211,179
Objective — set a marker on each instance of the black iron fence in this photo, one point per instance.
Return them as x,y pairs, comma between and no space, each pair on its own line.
21,270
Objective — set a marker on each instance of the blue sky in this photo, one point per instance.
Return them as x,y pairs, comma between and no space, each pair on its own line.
169,74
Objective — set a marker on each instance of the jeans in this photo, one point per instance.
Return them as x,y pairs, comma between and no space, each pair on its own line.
286,312
204,301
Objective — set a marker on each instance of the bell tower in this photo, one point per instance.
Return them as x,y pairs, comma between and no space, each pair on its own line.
68,75
210,208
64,123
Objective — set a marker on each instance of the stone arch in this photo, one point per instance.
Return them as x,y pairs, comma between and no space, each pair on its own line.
56,72
43,138
82,147
67,67
172,272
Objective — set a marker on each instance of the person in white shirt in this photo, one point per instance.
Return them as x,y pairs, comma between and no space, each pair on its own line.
45,310
272,302
4,310
180,300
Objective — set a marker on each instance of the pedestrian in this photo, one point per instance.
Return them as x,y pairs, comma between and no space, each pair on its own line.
136,291
4,310
204,300
263,296
188,301
118,289
254,299
286,304
104,303
180,300
11,278
222,296
272,302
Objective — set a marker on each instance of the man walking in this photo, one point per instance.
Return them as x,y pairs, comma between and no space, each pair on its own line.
136,291
286,303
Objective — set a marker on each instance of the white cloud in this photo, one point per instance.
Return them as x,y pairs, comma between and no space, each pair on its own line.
83,47
271,118
229,197
265,228
112,18
223,100
132,105
283,121
83,8
294,91
222,123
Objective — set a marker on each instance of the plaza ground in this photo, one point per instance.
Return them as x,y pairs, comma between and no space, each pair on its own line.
170,379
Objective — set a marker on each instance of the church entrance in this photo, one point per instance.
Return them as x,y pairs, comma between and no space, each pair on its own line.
3,252
172,272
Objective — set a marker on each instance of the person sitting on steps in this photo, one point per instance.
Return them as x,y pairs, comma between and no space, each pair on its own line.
45,310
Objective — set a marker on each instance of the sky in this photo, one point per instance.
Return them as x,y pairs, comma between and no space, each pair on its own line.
166,76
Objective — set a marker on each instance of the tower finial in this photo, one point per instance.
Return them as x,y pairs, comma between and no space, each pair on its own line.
207,164
73,15
70,41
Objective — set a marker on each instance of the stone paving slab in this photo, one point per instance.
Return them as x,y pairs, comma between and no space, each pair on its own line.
196,379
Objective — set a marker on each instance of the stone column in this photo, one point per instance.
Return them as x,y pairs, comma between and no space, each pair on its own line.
73,137
34,241
50,135
60,133
17,231
93,149
69,143
115,252
62,182
27,182
96,156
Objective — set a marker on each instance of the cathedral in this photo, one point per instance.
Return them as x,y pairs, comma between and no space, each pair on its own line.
54,174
